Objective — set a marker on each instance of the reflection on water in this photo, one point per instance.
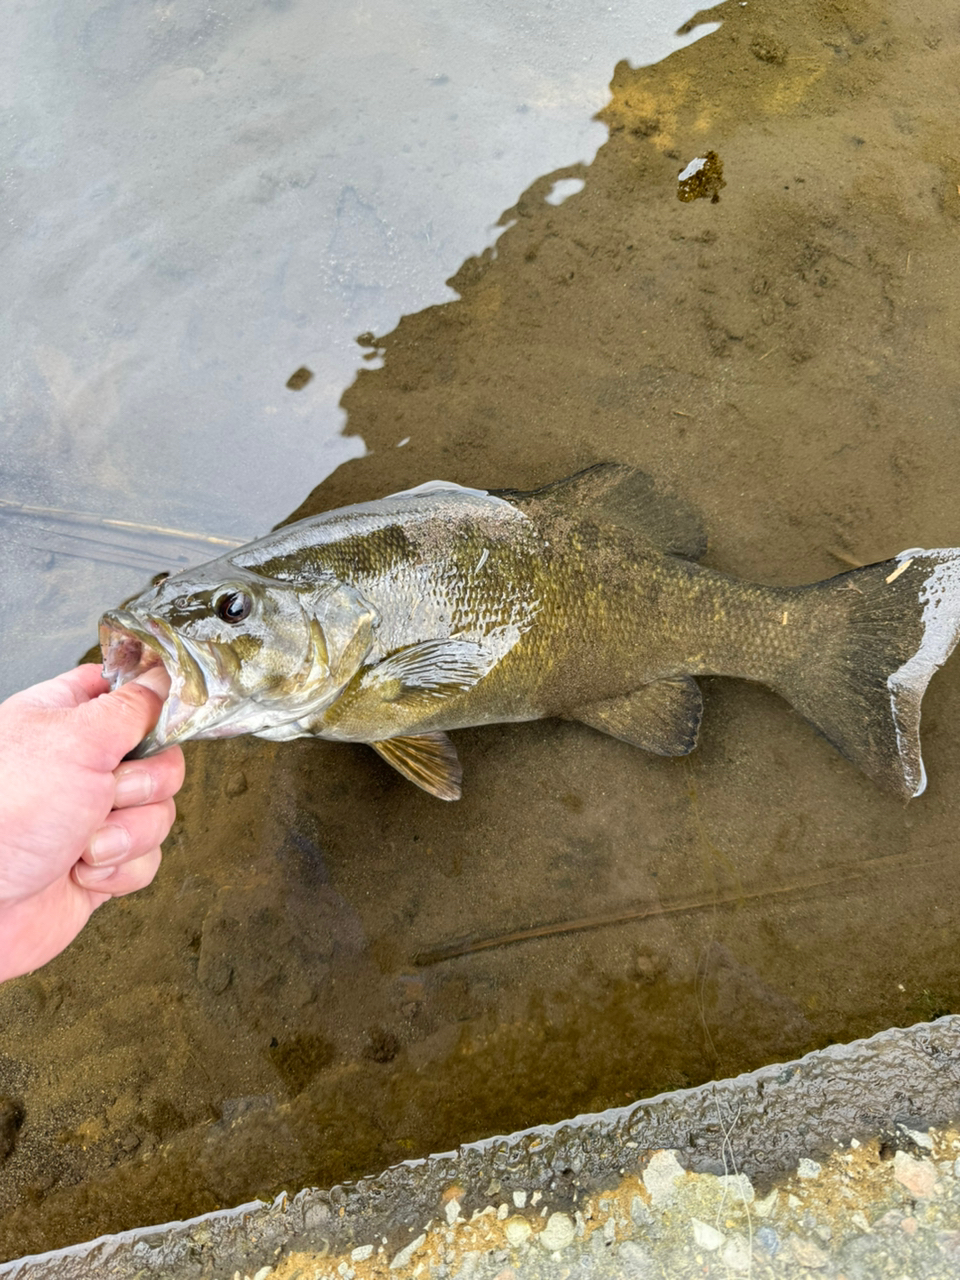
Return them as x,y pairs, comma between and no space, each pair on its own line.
198,201
785,358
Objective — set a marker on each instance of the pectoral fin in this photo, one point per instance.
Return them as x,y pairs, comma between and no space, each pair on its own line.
429,759
663,717
435,668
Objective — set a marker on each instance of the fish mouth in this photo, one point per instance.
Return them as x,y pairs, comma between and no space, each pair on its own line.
130,646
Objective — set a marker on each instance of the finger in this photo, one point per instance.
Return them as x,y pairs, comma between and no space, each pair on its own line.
117,721
128,877
144,781
71,689
129,833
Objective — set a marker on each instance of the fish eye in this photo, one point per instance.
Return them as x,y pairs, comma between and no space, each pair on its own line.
234,606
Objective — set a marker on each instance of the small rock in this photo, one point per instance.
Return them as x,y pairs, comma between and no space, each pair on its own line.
362,1253
263,1273
236,784
766,1206
892,1218
640,1214
647,967
736,1254
860,1219
767,1237
918,1136
765,48
918,1176
737,1185
636,1262
660,1175
808,1168
406,1253
805,1253
705,1236
517,1230
520,1199
558,1232
451,1211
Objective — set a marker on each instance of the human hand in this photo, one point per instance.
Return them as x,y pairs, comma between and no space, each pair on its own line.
77,826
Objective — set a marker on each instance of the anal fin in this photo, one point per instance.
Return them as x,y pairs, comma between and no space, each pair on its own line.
428,759
663,717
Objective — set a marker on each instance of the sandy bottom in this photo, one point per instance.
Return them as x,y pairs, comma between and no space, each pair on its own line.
786,358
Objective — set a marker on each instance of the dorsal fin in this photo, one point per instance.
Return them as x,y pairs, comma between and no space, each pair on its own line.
626,496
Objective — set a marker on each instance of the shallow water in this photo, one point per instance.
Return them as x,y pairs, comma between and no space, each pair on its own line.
197,204
785,357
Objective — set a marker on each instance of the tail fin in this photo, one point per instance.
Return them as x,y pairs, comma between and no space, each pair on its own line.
885,629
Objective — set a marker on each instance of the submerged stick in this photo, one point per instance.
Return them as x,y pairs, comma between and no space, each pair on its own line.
466,947
10,508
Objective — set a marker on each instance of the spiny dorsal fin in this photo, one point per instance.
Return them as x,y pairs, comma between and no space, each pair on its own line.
429,760
663,717
624,496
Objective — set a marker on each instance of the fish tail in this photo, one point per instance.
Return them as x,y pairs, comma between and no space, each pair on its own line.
878,634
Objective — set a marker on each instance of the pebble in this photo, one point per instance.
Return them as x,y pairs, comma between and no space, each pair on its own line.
639,1213
407,1252
362,1253
918,1176
558,1232
451,1211
660,1176
636,1262
805,1253
705,1236
768,1238
918,1136
767,1205
517,1230
236,784
738,1185
808,1168
736,1254
520,1199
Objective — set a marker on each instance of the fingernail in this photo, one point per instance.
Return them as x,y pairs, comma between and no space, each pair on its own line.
109,842
96,875
134,786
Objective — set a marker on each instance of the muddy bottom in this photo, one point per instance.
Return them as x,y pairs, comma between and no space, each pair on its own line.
299,998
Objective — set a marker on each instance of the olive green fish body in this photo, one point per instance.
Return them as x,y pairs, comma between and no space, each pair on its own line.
392,622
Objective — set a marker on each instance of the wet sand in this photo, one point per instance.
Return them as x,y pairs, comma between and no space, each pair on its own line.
785,358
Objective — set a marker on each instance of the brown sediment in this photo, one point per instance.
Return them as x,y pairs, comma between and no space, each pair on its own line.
786,359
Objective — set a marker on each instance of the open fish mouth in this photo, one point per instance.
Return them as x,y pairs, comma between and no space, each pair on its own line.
130,646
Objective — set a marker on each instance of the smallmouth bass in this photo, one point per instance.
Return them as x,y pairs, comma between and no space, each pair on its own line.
442,607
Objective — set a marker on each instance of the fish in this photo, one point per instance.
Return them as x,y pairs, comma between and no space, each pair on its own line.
396,621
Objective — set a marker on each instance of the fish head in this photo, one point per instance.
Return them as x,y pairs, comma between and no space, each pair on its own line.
245,653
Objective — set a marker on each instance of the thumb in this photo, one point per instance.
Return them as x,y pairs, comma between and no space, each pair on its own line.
119,720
